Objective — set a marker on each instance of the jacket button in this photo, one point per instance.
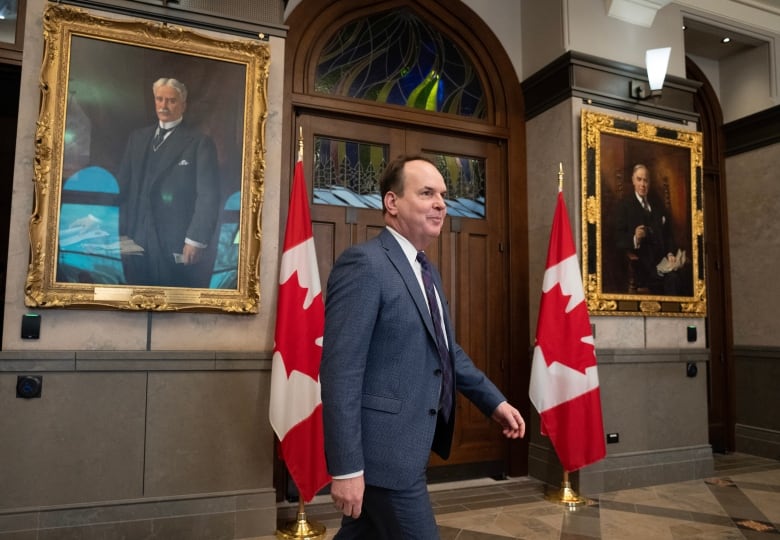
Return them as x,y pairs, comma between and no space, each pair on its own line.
432,412
437,371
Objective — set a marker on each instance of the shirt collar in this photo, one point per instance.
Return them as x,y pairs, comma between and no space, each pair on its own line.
170,125
409,250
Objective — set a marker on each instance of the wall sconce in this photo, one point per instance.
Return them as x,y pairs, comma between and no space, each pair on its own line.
657,61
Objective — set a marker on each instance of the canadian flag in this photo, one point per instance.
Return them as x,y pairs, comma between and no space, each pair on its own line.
564,379
295,409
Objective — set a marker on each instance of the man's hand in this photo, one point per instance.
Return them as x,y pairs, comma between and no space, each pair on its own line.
190,254
347,495
510,419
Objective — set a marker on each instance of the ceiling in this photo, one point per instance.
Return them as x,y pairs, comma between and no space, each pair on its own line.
705,40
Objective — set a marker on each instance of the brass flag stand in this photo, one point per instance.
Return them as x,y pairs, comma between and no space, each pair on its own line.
566,495
301,528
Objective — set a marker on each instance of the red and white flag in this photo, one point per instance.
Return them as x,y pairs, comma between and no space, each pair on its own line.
564,379
295,409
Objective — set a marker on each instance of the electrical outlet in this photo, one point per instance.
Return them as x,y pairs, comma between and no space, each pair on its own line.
613,438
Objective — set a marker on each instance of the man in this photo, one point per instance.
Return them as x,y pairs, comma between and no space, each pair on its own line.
388,381
644,233
169,197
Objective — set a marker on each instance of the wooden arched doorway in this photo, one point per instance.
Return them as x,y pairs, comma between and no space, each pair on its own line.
483,260
720,375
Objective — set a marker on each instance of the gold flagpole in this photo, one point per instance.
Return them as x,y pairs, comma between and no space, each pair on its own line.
566,495
301,528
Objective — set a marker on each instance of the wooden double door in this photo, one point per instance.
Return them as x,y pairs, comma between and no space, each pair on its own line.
470,254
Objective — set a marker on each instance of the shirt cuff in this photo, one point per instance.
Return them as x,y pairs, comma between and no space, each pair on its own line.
347,476
194,243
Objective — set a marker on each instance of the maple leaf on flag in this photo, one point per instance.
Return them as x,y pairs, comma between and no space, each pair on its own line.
299,344
560,326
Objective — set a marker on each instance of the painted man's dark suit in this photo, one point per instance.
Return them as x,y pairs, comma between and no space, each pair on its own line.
166,196
380,370
658,242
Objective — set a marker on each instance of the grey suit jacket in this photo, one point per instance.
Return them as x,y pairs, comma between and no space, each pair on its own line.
380,369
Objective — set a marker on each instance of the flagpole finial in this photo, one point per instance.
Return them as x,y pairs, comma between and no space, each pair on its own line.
300,143
560,177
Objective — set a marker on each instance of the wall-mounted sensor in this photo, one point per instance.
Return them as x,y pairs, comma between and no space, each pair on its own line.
691,334
31,326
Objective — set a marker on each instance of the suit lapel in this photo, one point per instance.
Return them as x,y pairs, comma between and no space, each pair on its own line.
402,266
171,150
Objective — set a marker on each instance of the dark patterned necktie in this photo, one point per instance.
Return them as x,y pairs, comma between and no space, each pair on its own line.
445,403
645,205
159,137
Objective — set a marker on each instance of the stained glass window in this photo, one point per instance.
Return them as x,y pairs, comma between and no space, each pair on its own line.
465,180
347,172
395,58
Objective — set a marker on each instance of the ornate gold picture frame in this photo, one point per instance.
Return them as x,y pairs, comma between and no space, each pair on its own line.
121,221
642,218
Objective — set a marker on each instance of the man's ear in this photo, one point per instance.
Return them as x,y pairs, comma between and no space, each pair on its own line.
390,203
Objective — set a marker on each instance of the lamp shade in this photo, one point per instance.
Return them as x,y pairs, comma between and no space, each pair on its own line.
657,60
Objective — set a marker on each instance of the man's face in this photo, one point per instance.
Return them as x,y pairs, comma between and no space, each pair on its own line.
419,213
168,104
641,181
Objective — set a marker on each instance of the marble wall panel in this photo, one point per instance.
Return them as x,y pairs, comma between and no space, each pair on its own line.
82,440
207,432
753,194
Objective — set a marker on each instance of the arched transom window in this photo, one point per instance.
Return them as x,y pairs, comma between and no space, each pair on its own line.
395,58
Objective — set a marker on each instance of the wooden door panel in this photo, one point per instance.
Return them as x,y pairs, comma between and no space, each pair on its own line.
325,241
369,224
330,238
473,270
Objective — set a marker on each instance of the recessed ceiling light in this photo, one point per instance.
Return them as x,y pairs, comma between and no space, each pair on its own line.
725,40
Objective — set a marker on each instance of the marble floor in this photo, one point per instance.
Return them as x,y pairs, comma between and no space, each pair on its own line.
742,501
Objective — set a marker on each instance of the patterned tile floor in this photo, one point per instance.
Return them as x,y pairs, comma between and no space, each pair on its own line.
742,501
